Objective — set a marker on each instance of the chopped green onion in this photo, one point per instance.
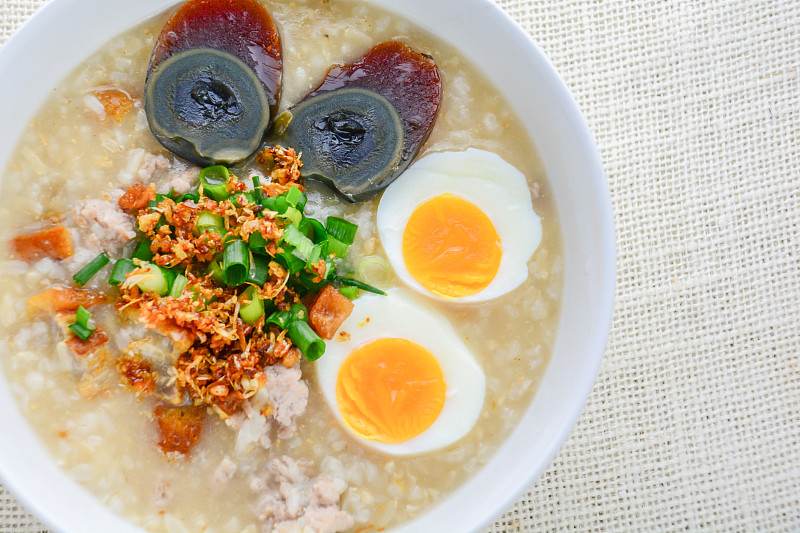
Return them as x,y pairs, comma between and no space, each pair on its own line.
279,318
208,221
313,229
142,250
80,331
257,196
306,339
215,271
315,255
157,280
254,309
259,270
361,285
306,281
276,203
375,270
214,180
92,268
290,262
257,243
193,195
294,196
178,285
349,292
336,247
298,311
81,327
157,200
121,268
235,263
293,214
341,229
82,317
302,244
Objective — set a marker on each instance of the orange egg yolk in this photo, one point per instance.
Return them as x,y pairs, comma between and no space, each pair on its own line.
390,390
451,247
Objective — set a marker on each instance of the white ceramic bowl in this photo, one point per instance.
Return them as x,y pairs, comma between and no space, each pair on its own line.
57,38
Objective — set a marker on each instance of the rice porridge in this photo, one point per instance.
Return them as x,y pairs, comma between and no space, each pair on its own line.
283,458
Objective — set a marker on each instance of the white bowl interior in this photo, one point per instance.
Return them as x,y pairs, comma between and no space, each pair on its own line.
67,31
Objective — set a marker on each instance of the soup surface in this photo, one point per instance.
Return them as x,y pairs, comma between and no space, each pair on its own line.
252,473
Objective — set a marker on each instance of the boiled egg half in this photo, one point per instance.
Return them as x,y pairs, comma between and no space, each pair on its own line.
399,378
460,226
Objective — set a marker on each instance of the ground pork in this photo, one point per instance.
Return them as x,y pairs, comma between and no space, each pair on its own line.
169,174
283,399
150,164
224,471
292,502
288,395
182,180
107,222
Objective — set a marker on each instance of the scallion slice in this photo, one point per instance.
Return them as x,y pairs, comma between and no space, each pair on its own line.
121,269
313,229
298,311
80,331
215,271
294,196
235,263
82,328
279,318
254,308
157,280
259,270
257,243
302,244
360,285
336,247
293,214
92,268
208,221
257,196
142,250
178,284
349,292
215,181
306,339
315,255
276,203
191,195
290,262
341,229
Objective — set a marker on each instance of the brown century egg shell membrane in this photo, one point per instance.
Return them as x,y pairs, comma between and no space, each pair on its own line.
409,80
242,28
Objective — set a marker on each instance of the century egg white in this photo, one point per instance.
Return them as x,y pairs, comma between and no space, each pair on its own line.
460,226
398,377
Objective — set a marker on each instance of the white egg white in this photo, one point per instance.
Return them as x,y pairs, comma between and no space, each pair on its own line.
481,178
402,315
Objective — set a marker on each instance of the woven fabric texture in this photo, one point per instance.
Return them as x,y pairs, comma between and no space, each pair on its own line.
694,422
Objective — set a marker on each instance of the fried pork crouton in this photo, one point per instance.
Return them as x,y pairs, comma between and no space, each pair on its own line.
55,242
62,299
83,347
328,311
137,197
180,427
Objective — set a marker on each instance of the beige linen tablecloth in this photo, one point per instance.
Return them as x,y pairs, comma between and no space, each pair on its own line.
694,422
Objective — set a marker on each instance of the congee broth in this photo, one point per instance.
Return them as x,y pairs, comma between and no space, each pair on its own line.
190,399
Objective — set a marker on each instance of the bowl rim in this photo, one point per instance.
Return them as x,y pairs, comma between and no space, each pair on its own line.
474,513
